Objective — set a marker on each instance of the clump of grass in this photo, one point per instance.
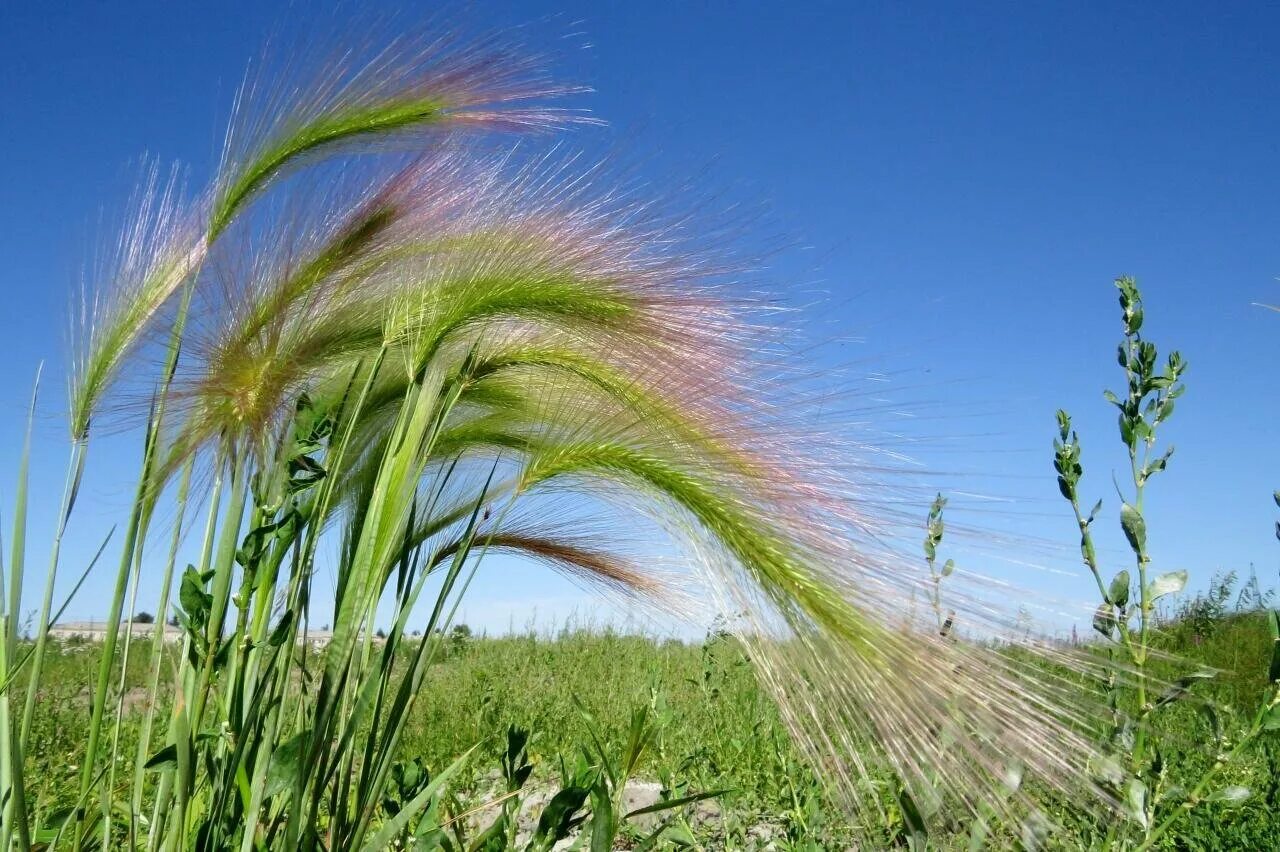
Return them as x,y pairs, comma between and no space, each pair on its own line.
404,370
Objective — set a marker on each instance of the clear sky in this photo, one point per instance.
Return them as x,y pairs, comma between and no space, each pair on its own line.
960,186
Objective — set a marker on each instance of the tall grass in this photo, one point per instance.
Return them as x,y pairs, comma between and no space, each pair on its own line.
388,364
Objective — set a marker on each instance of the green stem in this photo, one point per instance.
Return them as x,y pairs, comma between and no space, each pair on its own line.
158,641
224,568
1197,792
75,471
1144,613
107,661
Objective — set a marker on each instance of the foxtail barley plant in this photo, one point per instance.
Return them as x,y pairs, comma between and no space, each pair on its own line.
395,335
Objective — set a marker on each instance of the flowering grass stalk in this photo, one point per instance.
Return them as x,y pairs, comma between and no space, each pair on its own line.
406,363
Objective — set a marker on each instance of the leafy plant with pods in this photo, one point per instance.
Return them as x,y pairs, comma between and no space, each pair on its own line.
1132,764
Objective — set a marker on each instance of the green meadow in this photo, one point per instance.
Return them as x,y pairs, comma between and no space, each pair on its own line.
713,729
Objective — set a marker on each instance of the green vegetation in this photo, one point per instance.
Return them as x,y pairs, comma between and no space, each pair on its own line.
1133,766
716,729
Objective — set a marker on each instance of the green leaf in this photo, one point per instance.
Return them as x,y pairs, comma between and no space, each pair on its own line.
284,765
1067,490
1135,528
1215,723
1271,720
515,765
311,425
304,472
676,835
603,824
1134,324
163,759
1170,583
53,824
223,653
1182,687
638,740
194,599
1126,429
255,543
1231,796
1064,429
912,818
1118,593
1159,464
395,825
1136,801
1142,430
281,632
668,804
1103,619
1147,352
948,567
558,818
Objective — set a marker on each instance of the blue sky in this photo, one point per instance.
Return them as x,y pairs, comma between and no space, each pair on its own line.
958,188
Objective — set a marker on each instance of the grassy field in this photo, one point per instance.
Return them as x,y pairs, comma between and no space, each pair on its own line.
714,729
378,335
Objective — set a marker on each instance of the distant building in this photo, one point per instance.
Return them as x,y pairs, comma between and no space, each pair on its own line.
316,638
96,631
